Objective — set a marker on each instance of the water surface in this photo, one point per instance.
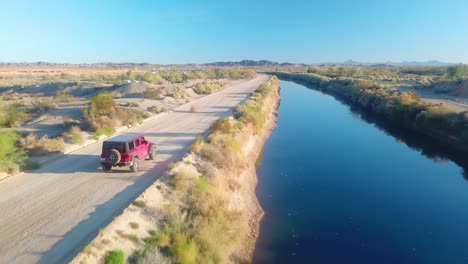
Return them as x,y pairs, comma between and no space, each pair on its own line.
338,188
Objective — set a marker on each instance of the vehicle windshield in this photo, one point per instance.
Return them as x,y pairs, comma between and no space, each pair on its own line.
113,145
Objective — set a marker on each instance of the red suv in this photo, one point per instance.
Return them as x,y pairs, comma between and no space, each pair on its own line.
126,150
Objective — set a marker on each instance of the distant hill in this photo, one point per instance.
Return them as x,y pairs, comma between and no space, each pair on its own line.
242,63
248,63
434,63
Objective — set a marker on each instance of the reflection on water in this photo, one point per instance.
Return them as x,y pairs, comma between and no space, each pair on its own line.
339,186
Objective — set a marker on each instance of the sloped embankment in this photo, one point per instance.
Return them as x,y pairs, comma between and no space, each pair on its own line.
442,124
204,210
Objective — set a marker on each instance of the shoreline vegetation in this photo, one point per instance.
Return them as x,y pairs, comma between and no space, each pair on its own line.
403,108
204,209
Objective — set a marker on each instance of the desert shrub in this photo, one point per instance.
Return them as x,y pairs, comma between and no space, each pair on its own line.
182,180
12,158
41,105
156,109
114,257
139,203
42,145
457,71
133,238
10,97
208,87
171,165
12,117
104,131
128,117
184,250
102,112
174,77
134,225
198,145
70,122
74,135
102,125
222,126
178,92
64,97
152,255
101,105
152,93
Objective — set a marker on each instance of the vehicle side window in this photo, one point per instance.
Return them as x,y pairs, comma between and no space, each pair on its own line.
131,146
137,142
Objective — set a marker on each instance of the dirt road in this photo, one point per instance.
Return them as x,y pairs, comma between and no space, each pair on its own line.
458,104
48,215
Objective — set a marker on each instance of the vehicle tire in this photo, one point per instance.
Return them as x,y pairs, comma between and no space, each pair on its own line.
107,168
135,164
152,153
113,156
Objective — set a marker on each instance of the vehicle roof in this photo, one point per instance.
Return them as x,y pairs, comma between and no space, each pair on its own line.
124,138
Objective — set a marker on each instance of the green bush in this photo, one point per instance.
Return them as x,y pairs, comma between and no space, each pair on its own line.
12,117
12,158
208,87
133,238
114,257
171,165
105,131
184,250
457,71
101,105
152,93
139,203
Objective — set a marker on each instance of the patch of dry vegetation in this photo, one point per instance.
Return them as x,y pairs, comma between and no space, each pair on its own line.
102,112
43,145
208,87
74,135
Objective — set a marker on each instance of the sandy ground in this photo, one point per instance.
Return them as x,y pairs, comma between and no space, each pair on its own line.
50,214
51,123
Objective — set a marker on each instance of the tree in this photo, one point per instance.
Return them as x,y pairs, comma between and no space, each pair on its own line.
457,71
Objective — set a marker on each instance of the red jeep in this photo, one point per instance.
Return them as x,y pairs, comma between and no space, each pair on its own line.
126,150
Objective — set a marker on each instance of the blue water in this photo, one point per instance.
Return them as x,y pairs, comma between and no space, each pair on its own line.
338,188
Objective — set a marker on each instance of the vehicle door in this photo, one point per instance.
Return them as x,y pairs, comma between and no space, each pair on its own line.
138,148
144,146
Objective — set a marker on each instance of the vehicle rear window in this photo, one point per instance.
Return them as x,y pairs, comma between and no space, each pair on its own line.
113,145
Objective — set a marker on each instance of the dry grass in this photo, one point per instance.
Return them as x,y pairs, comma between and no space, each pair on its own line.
74,135
43,145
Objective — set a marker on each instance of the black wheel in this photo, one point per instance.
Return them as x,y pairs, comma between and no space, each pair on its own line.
107,168
152,154
135,164
113,156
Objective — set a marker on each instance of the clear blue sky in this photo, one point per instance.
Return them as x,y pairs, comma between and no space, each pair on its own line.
200,31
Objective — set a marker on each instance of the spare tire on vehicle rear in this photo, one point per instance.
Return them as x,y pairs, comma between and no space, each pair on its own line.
113,156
